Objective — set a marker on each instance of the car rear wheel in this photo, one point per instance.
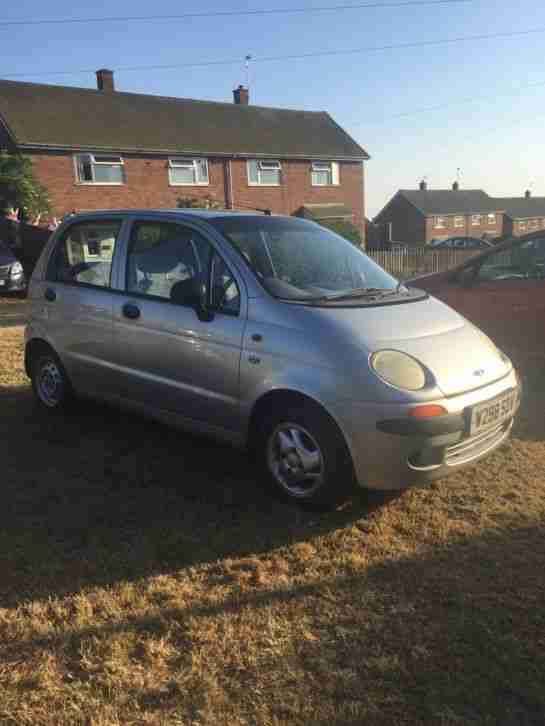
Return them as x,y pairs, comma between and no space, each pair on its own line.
50,382
303,455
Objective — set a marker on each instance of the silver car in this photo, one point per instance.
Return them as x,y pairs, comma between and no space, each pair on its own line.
272,333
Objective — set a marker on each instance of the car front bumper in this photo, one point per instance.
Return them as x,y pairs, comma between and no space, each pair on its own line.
13,284
392,451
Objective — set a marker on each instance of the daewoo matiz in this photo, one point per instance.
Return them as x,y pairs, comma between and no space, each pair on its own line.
272,333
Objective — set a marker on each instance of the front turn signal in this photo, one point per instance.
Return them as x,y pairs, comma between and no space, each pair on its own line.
428,411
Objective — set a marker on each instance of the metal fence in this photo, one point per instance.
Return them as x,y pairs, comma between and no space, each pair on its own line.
411,262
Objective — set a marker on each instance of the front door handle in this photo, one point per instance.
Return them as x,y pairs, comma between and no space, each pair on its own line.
131,311
50,294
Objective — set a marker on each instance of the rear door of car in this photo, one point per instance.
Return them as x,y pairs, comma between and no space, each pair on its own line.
76,299
169,357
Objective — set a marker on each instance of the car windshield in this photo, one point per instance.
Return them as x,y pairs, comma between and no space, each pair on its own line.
299,260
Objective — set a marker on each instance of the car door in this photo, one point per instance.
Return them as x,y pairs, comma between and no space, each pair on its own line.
77,301
171,358
504,294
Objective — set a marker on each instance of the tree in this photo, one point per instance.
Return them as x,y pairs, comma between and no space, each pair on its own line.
344,229
20,189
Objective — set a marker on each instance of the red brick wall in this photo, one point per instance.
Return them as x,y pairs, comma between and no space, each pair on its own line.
521,227
408,224
148,186
468,229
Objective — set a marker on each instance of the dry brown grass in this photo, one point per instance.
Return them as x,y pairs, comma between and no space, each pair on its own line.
145,579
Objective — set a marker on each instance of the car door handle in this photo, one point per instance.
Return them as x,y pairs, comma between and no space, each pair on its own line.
50,294
131,311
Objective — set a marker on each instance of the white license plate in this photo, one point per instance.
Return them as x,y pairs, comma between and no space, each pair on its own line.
493,412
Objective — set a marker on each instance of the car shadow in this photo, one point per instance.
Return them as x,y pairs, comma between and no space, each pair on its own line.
100,496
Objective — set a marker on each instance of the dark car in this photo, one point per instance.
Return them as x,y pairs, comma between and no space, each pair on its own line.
502,291
462,243
12,276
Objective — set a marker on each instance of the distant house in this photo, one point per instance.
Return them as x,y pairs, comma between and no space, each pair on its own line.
420,216
108,149
522,214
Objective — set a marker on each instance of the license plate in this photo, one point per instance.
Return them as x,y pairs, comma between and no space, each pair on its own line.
493,412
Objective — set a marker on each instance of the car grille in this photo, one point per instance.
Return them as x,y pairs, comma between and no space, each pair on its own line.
4,271
469,449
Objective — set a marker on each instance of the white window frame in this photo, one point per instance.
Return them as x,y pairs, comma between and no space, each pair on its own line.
522,226
491,218
476,220
439,222
179,162
265,165
332,167
93,161
461,220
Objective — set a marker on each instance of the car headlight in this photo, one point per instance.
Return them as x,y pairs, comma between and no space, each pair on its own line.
16,269
399,370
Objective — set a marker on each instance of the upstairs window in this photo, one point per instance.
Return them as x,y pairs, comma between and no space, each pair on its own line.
324,173
491,219
188,172
459,221
99,169
264,173
475,220
440,222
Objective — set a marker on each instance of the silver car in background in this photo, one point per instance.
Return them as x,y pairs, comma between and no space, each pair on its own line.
271,333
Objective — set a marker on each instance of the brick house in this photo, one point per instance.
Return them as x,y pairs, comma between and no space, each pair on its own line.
107,149
420,216
522,214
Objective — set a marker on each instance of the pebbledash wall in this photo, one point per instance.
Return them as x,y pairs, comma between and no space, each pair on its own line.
147,185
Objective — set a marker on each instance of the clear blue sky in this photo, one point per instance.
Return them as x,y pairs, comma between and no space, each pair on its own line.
493,131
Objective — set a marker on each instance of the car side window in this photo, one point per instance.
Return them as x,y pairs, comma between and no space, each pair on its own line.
167,260
525,261
84,254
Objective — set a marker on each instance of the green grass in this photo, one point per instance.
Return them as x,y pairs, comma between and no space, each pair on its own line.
145,578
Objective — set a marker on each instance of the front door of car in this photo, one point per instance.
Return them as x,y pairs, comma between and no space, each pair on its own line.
77,301
173,356
504,294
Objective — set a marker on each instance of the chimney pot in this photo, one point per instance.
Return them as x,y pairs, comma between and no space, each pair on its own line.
241,96
528,194
423,185
455,186
105,80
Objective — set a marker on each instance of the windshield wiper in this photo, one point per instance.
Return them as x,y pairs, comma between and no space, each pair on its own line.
358,292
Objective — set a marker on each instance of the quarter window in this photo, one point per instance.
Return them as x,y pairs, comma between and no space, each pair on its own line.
264,173
84,254
99,169
324,173
167,260
524,261
188,172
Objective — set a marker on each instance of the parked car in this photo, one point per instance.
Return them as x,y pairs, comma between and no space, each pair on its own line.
12,276
462,243
272,333
502,291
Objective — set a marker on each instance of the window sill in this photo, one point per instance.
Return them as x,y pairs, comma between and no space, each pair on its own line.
101,184
321,186
250,184
193,184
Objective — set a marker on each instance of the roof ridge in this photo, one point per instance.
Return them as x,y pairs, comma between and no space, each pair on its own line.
95,91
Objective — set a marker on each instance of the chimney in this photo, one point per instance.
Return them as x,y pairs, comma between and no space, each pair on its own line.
241,96
105,80
423,185
527,194
455,186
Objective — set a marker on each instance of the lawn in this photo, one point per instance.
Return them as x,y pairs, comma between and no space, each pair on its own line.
145,578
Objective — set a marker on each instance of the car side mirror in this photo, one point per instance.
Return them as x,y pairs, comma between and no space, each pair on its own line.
192,293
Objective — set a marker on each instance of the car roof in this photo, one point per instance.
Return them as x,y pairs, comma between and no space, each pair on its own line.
203,214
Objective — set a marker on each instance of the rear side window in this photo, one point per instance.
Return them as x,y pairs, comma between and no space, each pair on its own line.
84,254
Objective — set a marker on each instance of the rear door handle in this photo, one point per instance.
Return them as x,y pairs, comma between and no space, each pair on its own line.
131,311
50,294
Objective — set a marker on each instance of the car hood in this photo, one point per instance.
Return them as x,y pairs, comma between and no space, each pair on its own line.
459,356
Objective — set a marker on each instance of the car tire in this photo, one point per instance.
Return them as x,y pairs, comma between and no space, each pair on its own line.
50,383
303,456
